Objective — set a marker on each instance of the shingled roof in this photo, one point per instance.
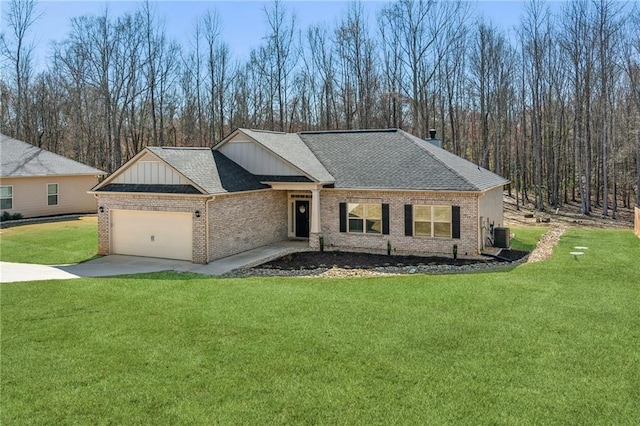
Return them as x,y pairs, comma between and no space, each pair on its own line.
394,159
210,170
364,159
21,159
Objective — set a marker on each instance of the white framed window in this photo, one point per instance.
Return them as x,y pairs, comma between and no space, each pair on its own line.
52,194
364,218
6,197
432,221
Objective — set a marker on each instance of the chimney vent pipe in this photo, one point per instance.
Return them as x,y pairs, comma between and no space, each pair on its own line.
432,133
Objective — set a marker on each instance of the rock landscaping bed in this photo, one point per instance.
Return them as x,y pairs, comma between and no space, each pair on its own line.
345,264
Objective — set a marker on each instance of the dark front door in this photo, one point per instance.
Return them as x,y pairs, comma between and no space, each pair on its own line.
302,219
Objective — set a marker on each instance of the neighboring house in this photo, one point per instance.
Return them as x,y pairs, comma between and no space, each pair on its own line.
35,182
352,190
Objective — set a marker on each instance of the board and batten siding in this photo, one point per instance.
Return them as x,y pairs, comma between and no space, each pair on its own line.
255,159
30,195
150,170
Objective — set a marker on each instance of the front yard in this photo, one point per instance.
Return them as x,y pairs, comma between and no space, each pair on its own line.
51,243
556,342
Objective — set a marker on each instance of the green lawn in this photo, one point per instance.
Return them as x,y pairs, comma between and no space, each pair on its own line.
51,243
526,238
556,342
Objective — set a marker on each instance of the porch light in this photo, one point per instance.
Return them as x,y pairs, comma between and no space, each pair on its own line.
197,213
101,209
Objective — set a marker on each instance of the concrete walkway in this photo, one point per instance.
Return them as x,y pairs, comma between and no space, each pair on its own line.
129,265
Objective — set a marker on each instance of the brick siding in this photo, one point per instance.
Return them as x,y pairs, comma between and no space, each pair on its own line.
243,221
400,244
240,222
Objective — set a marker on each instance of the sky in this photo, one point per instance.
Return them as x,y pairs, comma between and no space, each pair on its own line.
243,22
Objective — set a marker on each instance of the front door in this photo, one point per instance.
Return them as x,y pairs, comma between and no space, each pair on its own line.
302,219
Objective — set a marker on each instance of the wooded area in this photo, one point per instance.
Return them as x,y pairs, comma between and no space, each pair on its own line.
554,105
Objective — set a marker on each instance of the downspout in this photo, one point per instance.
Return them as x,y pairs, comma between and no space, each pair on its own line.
480,243
208,239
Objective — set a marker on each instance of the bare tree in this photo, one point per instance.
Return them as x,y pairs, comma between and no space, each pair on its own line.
281,48
632,68
16,48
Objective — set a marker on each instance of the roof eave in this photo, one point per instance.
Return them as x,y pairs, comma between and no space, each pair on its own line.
156,194
54,175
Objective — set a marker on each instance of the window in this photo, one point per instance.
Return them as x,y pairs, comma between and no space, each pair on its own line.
432,221
6,197
52,194
365,218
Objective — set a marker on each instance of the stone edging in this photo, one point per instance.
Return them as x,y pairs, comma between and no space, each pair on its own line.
335,272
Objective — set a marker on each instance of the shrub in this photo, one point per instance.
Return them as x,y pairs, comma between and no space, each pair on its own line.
8,216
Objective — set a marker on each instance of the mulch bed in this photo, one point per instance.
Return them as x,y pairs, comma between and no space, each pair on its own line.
351,260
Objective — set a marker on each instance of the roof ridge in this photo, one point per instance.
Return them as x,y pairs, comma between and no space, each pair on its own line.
322,132
178,148
422,146
275,132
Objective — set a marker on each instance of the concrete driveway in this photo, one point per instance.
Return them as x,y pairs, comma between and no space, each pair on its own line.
130,265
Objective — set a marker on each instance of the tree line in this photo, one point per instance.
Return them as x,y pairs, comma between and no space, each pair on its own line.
552,104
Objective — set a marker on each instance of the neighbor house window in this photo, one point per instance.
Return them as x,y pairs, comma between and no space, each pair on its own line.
52,194
365,218
432,221
6,197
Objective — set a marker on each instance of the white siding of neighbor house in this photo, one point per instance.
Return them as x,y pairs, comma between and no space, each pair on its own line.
255,158
150,171
30,195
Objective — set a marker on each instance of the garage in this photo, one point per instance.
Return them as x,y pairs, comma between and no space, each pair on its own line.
152,234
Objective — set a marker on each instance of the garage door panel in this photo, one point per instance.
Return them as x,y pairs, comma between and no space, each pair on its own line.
152,234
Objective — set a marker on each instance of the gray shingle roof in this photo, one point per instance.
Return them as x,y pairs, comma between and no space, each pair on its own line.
393,159
21,159
149,188
366,159
290,147
210,170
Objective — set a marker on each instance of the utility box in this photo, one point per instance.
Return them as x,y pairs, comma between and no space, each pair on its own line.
501,237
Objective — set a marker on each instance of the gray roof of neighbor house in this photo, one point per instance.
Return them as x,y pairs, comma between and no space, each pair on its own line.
292,149
394,159
21,159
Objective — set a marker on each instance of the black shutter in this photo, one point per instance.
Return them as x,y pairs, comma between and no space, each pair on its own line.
343,217
408,220
455,222
385,219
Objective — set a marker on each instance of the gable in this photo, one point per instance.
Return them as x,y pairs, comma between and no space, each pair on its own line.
150,170
255,159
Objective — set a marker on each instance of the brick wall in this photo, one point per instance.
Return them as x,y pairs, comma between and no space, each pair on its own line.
153,203
400,244
240,222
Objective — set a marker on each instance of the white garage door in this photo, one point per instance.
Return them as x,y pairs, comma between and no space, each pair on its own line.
152,234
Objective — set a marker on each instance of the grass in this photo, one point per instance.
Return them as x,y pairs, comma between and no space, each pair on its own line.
52,243
526,238
557,342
